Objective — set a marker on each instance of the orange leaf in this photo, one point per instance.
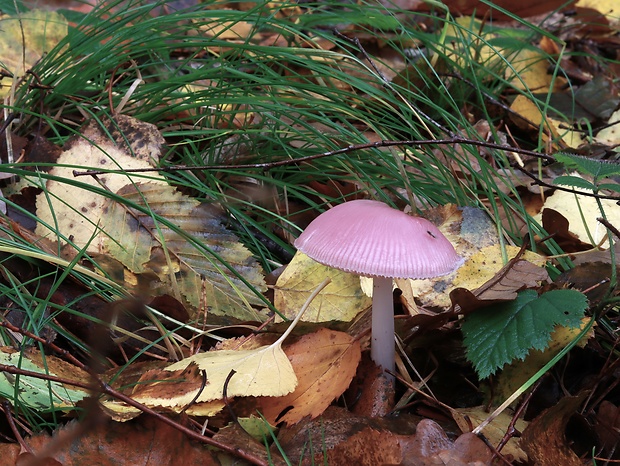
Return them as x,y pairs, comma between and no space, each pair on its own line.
325,363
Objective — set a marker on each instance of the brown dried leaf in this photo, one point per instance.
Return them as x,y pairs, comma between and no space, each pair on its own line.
544,439
338,437
431,446
324,362
607,426
148,443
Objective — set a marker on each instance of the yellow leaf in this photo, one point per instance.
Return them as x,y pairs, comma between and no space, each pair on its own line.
475,272
24,39
556,129
264,371
609,8
529,71
610,134
341,300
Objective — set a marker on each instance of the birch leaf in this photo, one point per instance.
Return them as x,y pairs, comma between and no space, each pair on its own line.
74,208
187,272
342,299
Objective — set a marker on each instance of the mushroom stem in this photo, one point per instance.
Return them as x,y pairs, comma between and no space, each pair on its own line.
382,345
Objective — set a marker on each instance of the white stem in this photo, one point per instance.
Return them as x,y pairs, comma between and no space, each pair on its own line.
382,344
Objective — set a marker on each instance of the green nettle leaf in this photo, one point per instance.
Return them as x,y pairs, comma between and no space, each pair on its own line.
574,182
611,186
597,168
499,334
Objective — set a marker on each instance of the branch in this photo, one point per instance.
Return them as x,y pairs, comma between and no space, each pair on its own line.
332,153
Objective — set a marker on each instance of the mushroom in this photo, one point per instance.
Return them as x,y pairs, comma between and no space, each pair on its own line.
370,238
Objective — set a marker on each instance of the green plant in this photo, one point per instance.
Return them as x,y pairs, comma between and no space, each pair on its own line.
501,333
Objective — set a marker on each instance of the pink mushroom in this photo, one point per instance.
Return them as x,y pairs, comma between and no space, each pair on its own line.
372,239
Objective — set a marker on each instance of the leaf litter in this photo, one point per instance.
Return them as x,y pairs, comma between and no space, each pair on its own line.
171,245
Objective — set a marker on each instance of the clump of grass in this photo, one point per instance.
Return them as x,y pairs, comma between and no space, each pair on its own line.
321,87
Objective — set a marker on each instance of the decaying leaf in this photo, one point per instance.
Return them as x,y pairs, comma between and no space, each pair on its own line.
582,212
75,211
39,394
341,300
431,446
265,371
325,362
142,244
469,418
481,268
147,442
544,440
25,38
609,8
338,437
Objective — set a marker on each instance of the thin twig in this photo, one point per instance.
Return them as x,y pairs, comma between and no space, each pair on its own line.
609,226
6,407
225,397
331,153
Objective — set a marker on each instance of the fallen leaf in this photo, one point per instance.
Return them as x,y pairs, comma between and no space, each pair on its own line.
338,437
609,8
582,212
262,372
341,300
607,426
324,362
25,38
193,275
481,268
36,393
610,134
470,418
236,435
148,443
522,8
431,446
544,439
74,211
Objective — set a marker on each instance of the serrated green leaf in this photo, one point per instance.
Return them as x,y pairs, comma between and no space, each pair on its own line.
574,182
611,186
597,168
499,334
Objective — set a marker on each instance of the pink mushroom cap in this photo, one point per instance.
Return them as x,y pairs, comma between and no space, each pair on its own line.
372,239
